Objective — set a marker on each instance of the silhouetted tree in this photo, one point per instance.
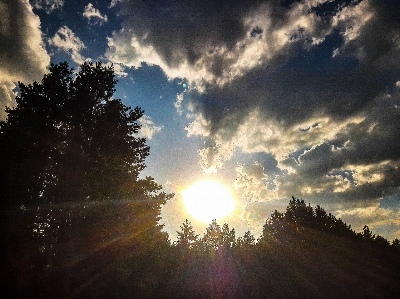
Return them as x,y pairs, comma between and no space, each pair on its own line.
366,234
298,212
228,236
246,240
68,139
396,244
381,241
187,238
67,144
212,238
273,226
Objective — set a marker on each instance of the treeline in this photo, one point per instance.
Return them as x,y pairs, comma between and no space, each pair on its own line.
297,218
118,250
303,252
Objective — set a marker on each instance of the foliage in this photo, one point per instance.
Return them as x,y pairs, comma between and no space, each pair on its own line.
303,252
69,139
187,238
246,240
73,206
299,216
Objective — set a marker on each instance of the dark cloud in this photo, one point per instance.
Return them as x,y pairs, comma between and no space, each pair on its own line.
181,29
370,142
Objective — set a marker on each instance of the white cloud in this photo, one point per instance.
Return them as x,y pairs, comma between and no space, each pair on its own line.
93,13
114,3
178,103
200,125
65,40
251,182
22,53
148,127
119,70
48,5
352,20
257,134
128,49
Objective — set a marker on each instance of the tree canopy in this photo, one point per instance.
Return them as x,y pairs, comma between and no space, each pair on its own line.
68,139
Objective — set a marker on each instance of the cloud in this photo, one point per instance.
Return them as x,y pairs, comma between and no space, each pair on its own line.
114,3
7,97
148,128
93,13
178,103
251,182
314,84
48,5
210,43
65,40
22,54
318,121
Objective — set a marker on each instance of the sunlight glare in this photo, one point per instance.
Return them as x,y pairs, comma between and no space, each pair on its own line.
208,200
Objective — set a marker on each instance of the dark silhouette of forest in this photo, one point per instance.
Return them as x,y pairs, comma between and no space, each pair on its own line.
78,222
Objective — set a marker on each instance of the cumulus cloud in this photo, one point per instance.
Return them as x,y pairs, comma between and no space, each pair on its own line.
93,13
148,128
48,5
66,40
22,53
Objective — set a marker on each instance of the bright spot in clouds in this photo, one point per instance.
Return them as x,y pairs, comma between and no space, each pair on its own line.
208,200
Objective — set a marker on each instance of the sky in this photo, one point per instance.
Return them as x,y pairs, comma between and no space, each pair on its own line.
274,98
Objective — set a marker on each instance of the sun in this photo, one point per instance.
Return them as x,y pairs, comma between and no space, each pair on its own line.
207,200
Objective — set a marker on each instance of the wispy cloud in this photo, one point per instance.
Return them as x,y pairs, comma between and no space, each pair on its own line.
48,5
92,13
149,128
66,40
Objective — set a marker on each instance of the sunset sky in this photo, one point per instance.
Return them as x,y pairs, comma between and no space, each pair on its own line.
271,98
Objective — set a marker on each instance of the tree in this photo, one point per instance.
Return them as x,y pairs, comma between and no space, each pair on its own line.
247,240
366,234
212,238
187,237
299,213
396,243
273,226
228,236
69,139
